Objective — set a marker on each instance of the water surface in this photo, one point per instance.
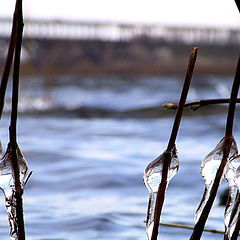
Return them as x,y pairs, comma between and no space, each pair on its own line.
88,141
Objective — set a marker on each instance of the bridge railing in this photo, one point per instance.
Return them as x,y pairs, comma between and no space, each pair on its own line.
120,31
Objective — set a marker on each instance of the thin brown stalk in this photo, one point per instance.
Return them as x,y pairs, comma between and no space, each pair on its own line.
199,226
233,213
8,63
171,143
237,226
238,4
176,225
182,100
13,125
198,104
235,207
190,227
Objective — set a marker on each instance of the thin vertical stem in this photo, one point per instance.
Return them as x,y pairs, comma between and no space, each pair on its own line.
13,125
15,87
183,98
198,228
235,207
233,100
8,63
238,4
233,213
167,158
237,226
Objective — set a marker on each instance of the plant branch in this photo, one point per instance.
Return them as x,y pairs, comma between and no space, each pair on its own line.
190,227
198,104
13,125
183,98
8,63
235,207
176,225
167,158
233,214
228,139
238,4
237,226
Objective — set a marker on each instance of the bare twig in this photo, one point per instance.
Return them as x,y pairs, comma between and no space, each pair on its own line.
238,4
8,63
235,207
190,227
198,104
171,144
13,125
233,213
237,227
198,228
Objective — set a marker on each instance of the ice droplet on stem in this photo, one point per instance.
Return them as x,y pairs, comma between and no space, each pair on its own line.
209,168
7,185
152,178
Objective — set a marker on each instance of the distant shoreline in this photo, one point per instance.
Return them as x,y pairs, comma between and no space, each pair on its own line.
176,69
136,57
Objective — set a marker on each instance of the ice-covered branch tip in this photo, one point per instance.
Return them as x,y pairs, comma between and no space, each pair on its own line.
15,203
159,172
7,185
221,153
198,104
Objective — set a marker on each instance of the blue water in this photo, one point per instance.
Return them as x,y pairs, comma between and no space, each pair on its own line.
88,141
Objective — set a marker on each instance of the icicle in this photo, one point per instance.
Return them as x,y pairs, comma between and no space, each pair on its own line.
152,178
209,169
8,188
230,173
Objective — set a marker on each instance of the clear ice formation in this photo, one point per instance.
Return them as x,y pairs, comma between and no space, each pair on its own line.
209,169
230,174
231,225
7,185
152,178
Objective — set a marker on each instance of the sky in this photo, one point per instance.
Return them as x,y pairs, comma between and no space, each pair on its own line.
184,12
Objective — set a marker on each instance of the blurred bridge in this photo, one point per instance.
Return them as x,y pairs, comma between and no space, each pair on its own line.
57,29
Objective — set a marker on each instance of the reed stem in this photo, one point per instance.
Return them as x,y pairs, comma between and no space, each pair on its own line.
13,125
199,226
198,104
167,160
176,225
237,226
233,213
190,227
238,4
8,63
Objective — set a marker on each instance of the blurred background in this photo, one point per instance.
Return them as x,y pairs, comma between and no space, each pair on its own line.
94,75
122,37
